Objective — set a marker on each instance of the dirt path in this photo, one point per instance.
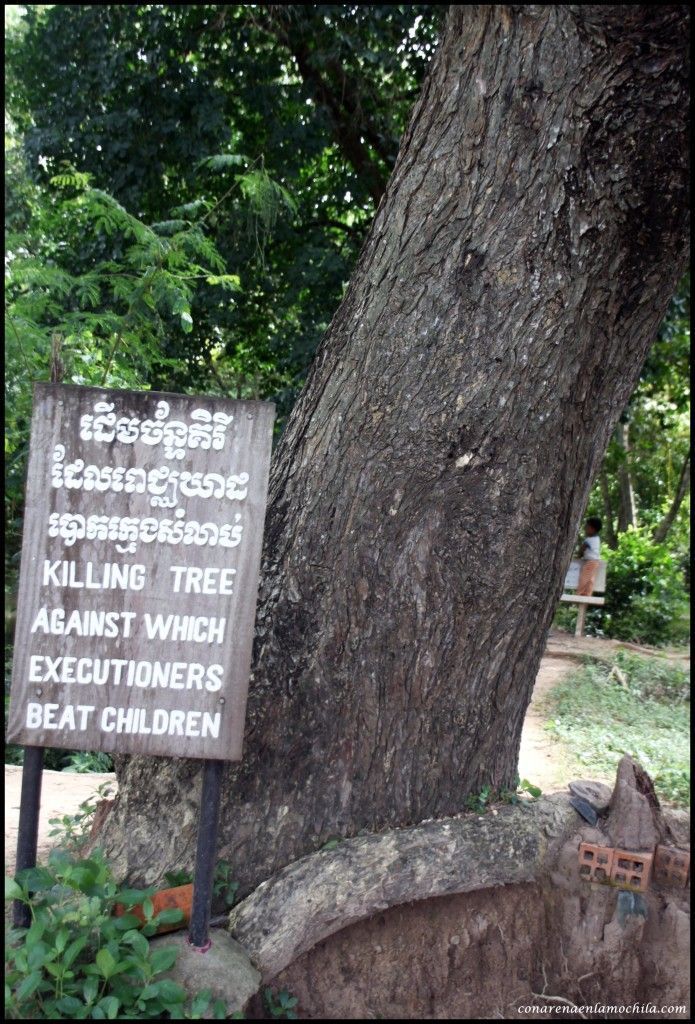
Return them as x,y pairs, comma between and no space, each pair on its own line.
541,758
61,793
541,761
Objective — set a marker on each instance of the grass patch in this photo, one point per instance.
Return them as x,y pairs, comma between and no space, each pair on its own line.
627,705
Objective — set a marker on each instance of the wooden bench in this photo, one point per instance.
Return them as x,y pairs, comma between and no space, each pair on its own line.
572,582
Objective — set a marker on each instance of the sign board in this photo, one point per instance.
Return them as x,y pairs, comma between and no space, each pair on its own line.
572,577
142,542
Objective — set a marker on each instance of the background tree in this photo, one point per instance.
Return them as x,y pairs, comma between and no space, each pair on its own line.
141,94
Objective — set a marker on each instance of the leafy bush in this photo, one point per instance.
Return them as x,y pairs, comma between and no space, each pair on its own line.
77,961
84,761
646,599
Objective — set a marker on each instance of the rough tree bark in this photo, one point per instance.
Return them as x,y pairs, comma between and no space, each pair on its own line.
426,493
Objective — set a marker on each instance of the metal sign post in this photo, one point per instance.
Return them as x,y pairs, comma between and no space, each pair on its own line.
29,805
137,593
199,929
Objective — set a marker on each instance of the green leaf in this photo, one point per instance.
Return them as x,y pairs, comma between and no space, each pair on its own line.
138,941
134,897
201,1002
69,1005
13,891
29,986
170,991
34,934
170,915
229,281
533,790
163,959
186,323
126,922
110,1005
36,879
90,989
223,161
105,962
39,954
73,950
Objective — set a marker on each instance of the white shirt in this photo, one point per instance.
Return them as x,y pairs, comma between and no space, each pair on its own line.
593,548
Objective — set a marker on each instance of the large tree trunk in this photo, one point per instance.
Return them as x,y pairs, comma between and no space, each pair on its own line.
426,494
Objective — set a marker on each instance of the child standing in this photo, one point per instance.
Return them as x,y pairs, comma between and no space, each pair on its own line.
589,552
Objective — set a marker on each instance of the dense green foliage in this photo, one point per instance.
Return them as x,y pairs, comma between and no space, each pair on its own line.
646,598
77,961
187,191
159,104
630,705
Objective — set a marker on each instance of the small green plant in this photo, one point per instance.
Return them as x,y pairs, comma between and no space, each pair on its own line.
176,878
78,961
521,791
224,887
71,831
478,801
280,1005
332,844
527,787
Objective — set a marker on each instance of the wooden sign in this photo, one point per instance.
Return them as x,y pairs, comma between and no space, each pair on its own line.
142,541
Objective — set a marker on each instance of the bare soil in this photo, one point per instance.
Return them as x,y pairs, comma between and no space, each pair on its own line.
61,793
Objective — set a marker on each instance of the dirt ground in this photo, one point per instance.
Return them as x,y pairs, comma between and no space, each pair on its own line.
61,793
541,761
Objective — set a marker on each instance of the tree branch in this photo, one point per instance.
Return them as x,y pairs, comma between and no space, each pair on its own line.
665,524
349,122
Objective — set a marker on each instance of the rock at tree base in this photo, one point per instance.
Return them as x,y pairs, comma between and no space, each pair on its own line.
598,794
225,969
635,821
